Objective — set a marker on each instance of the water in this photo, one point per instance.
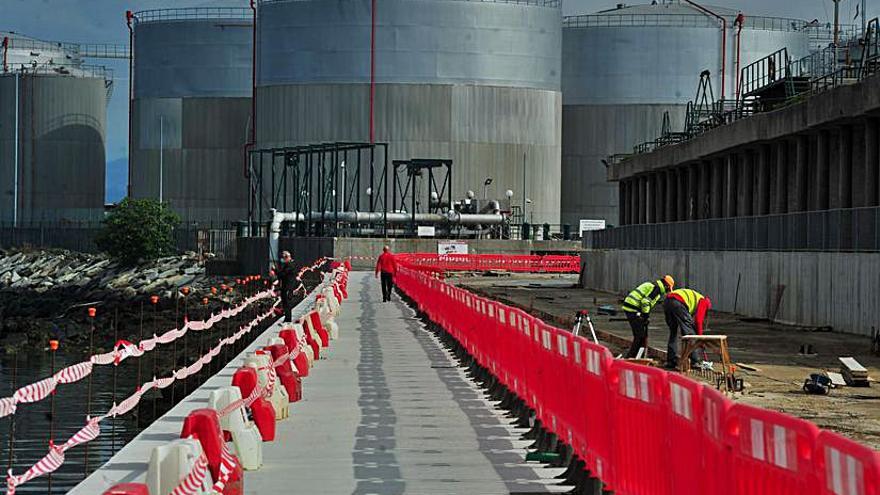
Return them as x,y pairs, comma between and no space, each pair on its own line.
32,423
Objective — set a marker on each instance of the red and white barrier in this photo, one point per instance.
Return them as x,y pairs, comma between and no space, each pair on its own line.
643,430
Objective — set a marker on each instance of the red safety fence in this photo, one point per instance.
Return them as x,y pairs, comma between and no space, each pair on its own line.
643,430
490,262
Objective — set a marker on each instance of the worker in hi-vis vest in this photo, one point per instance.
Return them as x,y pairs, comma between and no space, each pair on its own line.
637,307
686,311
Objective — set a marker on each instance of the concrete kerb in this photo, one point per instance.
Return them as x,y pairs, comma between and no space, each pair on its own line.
129,465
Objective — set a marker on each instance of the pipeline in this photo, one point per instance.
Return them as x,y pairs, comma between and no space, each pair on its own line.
5,51
740,20
129,16
723,41
452,217
252,136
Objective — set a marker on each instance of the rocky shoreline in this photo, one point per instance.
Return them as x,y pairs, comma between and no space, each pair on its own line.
45,294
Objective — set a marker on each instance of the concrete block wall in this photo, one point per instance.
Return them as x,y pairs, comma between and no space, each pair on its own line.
817,289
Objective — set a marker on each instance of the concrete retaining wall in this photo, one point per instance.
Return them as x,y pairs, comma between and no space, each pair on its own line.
253,252
808,288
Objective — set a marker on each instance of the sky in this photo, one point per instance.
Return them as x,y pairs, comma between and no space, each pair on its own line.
103,21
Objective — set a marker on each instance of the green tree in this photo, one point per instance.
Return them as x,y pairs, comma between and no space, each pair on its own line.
138,230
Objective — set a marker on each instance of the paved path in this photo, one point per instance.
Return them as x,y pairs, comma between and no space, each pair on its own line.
385,412
388,412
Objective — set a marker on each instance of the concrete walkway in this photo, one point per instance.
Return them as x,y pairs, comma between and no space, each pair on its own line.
385,411
388,412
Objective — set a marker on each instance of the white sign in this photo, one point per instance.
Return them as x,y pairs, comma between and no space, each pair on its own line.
452,247
426,231
591,225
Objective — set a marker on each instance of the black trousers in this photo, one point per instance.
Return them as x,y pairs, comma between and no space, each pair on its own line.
639,326
287,304
387,286
680,321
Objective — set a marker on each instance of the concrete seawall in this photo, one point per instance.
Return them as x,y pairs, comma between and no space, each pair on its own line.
804,288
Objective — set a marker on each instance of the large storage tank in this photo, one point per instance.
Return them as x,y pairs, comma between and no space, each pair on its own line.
53,114
472,81
622,69
191,110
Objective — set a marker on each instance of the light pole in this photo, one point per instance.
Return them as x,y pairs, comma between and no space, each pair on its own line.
161,152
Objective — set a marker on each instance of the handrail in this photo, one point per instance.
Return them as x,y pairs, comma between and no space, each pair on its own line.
192,13
675,20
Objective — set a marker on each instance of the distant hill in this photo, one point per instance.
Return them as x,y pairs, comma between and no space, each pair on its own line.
117,180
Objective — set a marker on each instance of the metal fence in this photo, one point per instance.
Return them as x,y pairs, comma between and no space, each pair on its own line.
848,230
696,20
220,241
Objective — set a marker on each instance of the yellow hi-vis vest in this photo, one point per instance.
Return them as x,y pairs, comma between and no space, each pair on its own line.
691,298
644,297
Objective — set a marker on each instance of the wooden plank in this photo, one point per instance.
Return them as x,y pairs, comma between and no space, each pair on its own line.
748,367
836,378
854,366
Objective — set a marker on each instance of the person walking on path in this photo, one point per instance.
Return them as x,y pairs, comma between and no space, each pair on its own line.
285,273
637,307
686,311
387,266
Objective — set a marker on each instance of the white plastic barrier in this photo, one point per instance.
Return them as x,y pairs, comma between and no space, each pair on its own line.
179,463
331,300
279,399
327,319
245,436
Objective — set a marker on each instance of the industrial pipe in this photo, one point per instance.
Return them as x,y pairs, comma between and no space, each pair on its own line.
129,16
5,50
452,218
723,41
252,136
372,71
740,20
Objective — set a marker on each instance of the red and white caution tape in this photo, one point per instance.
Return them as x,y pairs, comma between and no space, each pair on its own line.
193,482
123,349
53,460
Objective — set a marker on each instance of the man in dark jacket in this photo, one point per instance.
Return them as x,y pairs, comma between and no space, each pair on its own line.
285,273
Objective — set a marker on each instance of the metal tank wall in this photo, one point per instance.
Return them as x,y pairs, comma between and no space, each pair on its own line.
618,81
477,82
61,136
192,89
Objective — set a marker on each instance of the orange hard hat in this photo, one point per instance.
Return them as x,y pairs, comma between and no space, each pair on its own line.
669,281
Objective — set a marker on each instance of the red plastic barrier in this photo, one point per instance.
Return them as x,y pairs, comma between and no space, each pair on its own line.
639,414
289,380
204,426
845,467
485,262
300,360
128,489
771,452
315,319
640,430
245,378
715,455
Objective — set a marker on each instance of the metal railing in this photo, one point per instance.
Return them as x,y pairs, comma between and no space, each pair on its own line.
218,239
193,13
676,20
540,3
96,71
842,230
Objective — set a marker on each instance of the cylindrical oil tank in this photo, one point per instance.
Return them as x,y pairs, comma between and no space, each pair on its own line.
474,81
53,115
191,110
622,69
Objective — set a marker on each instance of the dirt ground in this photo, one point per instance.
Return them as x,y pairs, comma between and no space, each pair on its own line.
772,349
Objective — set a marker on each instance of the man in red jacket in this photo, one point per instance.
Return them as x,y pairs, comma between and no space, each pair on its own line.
388,267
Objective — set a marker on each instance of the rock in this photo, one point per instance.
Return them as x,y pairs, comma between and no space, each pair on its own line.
15,277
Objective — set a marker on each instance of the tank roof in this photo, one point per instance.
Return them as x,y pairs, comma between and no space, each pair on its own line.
677,14
193,14
541,3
